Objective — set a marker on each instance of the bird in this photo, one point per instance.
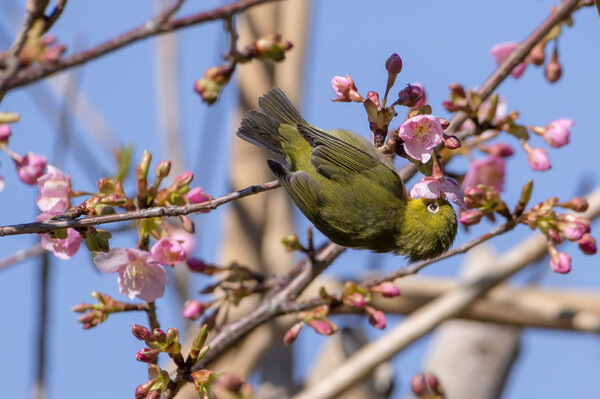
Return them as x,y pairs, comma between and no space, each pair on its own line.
345,186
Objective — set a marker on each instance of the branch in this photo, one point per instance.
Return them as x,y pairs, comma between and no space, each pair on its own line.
51,225
159,25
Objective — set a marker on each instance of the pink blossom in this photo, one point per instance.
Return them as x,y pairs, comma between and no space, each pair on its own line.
63,248
168,251
5,132
538,159
423,100
557,132
187,240
421,134
31,168
502,50
139,273
345,89
488,171
561,263
1,182
54,189
432,188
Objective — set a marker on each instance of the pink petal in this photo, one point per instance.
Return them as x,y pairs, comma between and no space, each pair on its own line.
110,262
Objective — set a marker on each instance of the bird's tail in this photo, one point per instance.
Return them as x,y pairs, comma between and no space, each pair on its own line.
261,127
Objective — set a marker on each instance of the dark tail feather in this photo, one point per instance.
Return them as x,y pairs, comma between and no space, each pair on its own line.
262,127
275,104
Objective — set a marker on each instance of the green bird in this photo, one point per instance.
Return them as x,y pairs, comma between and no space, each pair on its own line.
347,188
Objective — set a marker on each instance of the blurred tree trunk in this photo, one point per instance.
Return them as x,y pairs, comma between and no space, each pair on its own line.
254,227
473,359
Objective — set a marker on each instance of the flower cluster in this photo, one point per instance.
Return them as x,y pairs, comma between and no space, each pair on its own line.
558,226
416,139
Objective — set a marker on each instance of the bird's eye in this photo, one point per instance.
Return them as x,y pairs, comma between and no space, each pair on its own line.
433,207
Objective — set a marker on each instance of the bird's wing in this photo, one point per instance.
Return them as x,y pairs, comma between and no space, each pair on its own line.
303,189
335,159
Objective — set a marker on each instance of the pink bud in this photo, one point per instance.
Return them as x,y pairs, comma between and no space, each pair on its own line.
538,159
147,355
140,332
576,204
355,300
410,96
553,69
394,64
451,142
183,179
291,334
587,244
376,318
561,263
554,236
5,133
557,132
345,89
574,231
471,217
31,168
322,327
193,309
387,289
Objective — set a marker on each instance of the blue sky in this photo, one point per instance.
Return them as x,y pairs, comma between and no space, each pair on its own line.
439,42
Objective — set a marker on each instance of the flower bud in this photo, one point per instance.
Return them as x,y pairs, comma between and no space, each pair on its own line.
163,169
387,289
147,355
140,332
409,96
269,47
323,327
193,309
471,217
5,132
587,244
451,142
557,133
355,300
561,263
394,64
182,181
426,386
554,236
423,100
538,159
345,89
576,204
537,54
291,242
553,69
31,167
158,335
9,117
291,334
376,318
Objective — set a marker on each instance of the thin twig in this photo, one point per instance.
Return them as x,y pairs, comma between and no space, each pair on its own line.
51,225
33,73
21,255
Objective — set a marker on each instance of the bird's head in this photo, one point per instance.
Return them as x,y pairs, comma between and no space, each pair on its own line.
428,229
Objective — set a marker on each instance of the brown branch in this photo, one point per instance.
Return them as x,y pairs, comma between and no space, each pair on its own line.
35,10
51,225
158,25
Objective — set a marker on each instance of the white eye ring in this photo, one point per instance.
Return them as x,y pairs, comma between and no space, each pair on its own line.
433,207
